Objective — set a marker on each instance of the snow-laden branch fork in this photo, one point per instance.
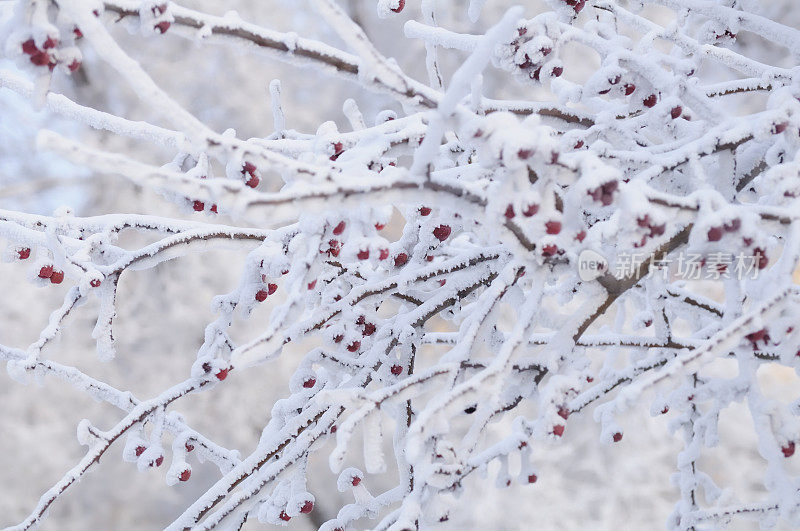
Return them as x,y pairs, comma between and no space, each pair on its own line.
477,257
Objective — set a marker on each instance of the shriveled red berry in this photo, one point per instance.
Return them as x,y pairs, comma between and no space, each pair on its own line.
369,329
629,89
285,517
396,370
57,277
29,47
557,71
549,250
307,507
400,5
185,475
761,257
311,382
24,254
40,58
338,339
222,374
530,210
788,450
553,227
354,346
261,295
442,232
338,229
617,437
400,259
253,181
214,209
524,153
189,447
139,450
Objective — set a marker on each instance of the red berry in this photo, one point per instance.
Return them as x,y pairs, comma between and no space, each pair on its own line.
558,430
442,232
189,447
334,248
248,167
509,212
308,384
733,226
139,450
159,460
253,181
400,259
354,346
261,295
379,226
579,6
50,43
396,370
198,206
524,153
532,478
676,111
272,288
77,32
665,410
530,210
312,284
424,211
629,88
442,282
185,475
383,254
580,236
214,209
338,149
24,254
650,101
788,450
614,80
95,283
549,250
338,339
334,428
363,255
563,412
369,329
285,517
57,277
779,128
307,507
553,227
557,71
715,234
40,58
400,5
761,256
578,145
222,374
617,437
29,47
356,481
163,26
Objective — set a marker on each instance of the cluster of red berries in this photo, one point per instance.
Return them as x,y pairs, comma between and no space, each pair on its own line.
655,230
56,276
159,10
604,193
46,56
